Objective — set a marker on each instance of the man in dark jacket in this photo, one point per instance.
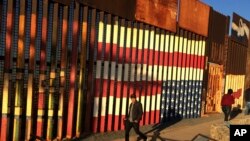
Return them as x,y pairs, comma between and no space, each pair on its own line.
133,118
247,100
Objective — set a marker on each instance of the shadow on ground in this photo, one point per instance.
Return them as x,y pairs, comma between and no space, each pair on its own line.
235,112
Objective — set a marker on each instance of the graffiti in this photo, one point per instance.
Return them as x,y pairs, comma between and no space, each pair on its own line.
241,29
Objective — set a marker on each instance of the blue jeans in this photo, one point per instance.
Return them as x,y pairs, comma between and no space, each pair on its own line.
247,108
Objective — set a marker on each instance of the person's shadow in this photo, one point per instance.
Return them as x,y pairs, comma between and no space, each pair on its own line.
168,120
235,111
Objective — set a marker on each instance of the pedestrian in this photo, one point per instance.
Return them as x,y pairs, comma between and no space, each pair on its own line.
226,103
247,100
133,118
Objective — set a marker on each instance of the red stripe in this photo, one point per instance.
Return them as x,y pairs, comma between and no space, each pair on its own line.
140,57
122,124
120,57
180,59
105,88
99,51
4,127
102,124
95,123
145,58
156,57
113,53
147,117
39,127
175,58
97,87
157,115
133,55
116,123
41,100
112,90
8,40
43,46
152,115
202,61
161,60
110,122
72,81
107,51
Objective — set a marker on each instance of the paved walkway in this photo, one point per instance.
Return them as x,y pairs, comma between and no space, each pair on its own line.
197,129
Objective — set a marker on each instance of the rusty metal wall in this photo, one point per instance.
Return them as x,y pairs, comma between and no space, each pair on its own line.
236,58
216,37
141,10
194,16
214,88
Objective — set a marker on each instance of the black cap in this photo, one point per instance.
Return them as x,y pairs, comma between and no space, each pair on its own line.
132,96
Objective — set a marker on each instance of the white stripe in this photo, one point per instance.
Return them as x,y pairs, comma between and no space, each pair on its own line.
158,101
106,70
134,36
119,74
103,108
162,43
115,32
117,106
186,73
185,46
203,48
108,33
122,34
112,77
150,73
111,103
101,27
128,39
124,100
165,73
96,107
177,72
138,76
155,73
98,69
169,73
152,35
147,103
191,75
174,74
167,43
160,73
140,39
144,72
193,47
176,45
153,103
157,40
171,44
146,39
126,67
142,102
188,46
132,73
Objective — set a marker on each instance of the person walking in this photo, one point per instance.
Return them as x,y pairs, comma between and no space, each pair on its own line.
133,118
247,100
226,103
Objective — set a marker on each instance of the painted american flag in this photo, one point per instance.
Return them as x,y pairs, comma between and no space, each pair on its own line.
164,70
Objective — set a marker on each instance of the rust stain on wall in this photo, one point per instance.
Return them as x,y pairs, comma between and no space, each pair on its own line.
194,16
